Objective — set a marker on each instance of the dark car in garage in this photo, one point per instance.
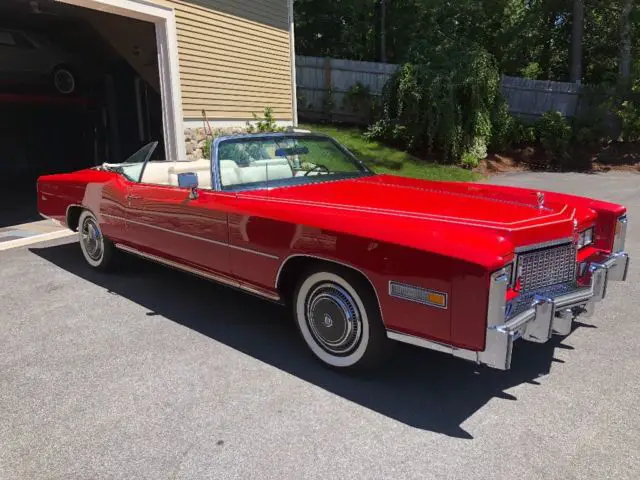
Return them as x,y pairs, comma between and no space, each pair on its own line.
28,57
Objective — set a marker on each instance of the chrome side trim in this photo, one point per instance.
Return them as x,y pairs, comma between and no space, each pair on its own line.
536,246
433,345
346,265
201,273
400,290
194,237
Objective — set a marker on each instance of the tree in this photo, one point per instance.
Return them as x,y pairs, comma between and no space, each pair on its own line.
625,41
593,41
576,41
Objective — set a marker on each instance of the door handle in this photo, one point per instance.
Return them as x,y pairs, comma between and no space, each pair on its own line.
133,197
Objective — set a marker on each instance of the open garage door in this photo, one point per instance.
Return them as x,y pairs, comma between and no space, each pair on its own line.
78,87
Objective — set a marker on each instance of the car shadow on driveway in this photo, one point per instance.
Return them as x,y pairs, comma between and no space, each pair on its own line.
420,388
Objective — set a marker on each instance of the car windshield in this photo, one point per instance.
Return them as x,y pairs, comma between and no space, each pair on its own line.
133,166
281,160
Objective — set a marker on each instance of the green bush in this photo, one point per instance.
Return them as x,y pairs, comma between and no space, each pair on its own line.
357,98
589,129
206,149
469,160
522,133
629,114
265,124
554,133
503,126
440,100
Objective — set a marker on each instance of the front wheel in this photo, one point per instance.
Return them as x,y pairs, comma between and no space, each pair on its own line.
338,316
98,251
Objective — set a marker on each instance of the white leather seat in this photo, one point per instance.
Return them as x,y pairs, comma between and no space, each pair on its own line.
166,173
258,171
156,173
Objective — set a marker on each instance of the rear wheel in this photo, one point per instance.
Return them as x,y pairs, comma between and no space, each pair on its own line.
64,80
98,251
338,316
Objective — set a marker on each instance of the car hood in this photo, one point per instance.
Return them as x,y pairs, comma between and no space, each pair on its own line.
494,218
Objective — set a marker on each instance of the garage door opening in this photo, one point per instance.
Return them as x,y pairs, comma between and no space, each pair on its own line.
78,87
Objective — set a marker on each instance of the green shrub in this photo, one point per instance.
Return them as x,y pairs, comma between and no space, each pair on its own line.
629,114
469,160
265,124
522,133
440,100
357,98
206,149
554,133
503,126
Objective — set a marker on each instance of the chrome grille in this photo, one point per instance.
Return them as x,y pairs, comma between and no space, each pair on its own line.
547,266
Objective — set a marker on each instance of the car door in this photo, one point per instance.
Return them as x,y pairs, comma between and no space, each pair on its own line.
17,54
163,220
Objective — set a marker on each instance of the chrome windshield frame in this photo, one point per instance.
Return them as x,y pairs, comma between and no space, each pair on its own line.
216,179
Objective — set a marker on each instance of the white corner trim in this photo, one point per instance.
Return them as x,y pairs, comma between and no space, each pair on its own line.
167,42
197,123
292,47
44,237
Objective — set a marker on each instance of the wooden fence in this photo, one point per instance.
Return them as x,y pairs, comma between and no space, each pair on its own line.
323,83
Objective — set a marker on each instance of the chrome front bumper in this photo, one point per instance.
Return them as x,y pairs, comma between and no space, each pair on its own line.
547,314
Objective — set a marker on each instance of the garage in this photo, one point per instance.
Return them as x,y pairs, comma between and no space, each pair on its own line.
88,81
78,87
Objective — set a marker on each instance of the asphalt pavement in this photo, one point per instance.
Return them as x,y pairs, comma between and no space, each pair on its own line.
152,373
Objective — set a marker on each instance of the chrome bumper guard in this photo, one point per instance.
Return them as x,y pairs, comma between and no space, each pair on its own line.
547,314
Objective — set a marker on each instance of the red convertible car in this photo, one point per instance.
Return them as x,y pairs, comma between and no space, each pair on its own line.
363,259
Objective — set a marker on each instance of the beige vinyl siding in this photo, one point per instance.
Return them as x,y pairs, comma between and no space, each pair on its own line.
234,58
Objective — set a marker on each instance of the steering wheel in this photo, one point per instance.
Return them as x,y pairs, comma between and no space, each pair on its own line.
318,166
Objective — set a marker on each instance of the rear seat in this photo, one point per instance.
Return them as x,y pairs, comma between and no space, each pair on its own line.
166,173
259,171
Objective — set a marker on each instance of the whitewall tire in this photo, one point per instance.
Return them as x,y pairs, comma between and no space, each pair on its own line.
97,250
338,316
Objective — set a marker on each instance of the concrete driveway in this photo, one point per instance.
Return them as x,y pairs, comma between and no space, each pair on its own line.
151,373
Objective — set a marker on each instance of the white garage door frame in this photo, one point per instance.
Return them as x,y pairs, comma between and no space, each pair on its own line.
167,43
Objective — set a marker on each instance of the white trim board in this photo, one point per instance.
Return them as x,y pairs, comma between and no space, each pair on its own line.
292,46
197,123
21,242
167,43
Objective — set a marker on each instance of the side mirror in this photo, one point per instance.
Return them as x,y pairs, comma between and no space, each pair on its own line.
189,180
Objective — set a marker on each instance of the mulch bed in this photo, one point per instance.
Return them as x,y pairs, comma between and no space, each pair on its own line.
615,156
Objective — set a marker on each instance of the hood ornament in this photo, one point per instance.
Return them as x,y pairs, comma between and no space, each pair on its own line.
540,200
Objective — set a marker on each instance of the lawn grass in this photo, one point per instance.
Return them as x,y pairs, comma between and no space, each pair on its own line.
383,159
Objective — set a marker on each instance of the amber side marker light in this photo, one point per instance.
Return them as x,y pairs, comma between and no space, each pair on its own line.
416,294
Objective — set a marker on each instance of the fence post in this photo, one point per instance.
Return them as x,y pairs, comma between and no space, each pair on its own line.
327,89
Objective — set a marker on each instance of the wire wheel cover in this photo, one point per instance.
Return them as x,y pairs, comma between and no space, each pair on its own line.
92,239
333,318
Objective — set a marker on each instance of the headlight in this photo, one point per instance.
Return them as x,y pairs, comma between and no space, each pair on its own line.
620,234
585,238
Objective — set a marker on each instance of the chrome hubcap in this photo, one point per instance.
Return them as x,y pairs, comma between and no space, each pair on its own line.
333,318
92,239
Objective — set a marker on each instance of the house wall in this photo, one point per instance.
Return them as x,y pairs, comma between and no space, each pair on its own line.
234,59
